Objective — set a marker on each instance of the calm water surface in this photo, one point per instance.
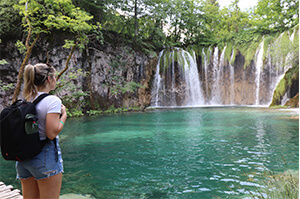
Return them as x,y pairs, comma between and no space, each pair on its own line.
175,153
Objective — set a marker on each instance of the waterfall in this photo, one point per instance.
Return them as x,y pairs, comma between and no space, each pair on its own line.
157,82
205,71
173,97
183,68
281,72
214,88
218,73
195,96
259,66
231,68
177,81
284,99
220,78
289,57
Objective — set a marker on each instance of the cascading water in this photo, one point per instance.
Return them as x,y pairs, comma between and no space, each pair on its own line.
195,96
218,74
157,83
214,90
220,78
259,66
232,94
280,73
182,69
205,69
223,82
173,97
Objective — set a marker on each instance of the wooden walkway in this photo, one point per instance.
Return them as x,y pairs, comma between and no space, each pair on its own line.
7,192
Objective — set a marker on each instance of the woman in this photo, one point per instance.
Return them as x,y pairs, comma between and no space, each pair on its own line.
41,176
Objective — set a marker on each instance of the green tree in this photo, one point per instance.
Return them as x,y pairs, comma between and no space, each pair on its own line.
234,23
211,17
9,17
97,8
42,16
275,15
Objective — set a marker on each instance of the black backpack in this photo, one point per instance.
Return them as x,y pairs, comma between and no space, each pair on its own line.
19,132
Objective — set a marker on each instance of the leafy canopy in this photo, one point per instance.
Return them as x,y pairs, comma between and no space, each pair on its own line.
43,15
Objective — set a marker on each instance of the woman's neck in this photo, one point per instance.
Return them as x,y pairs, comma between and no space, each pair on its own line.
43,90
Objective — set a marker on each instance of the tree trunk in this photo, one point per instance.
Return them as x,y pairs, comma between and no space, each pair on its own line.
24,63
135,20
67,63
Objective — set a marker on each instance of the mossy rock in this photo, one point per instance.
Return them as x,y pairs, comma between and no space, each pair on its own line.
294,102
292,75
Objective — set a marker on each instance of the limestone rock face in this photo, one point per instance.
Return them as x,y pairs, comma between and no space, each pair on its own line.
114,71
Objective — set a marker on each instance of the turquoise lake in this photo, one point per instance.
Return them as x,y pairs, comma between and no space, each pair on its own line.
208,152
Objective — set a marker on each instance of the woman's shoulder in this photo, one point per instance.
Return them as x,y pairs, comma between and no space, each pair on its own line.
49,97
50,104
53,104
53,98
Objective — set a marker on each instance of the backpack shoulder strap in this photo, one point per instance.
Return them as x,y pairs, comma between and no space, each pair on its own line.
42,96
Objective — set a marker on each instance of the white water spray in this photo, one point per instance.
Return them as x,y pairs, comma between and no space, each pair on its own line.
214,87
157,82
232,94
259,66
195,96
205,71
164,93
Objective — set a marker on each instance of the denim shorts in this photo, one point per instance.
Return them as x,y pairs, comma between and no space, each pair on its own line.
46,164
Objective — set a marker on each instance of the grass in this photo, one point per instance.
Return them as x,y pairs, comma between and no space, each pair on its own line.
281,185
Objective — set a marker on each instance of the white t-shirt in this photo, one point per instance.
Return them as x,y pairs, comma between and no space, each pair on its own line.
50,104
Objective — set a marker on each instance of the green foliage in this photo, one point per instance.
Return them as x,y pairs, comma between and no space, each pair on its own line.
3,62
74,113
228,51
41,16
151,25
130,87
5,87
75,99
68,44
9,17
267,42
249,52
21,47
94,112
112,109
275,16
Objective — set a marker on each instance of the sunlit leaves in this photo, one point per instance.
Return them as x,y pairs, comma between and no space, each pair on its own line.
42,16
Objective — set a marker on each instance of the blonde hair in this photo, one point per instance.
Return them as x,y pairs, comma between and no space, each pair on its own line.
36,76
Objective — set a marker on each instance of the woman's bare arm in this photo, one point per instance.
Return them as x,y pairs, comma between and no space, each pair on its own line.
53,124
